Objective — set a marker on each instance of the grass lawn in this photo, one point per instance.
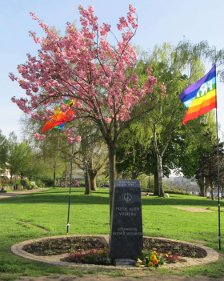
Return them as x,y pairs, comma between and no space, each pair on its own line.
45,214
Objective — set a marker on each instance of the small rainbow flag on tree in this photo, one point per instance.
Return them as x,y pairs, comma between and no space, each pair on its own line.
200,97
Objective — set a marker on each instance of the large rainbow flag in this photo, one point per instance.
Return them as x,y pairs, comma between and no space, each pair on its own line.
200,97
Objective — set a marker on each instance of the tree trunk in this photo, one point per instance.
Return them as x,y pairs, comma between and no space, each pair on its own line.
212,190
92,175
65,181
206,186
159,161
54,174
201,184
160,175
86,176
156,186
112,171
92,181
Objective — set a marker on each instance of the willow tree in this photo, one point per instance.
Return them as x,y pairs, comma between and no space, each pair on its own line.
177,67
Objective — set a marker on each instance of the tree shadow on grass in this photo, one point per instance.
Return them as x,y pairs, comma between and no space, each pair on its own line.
59,197
102,198
56,198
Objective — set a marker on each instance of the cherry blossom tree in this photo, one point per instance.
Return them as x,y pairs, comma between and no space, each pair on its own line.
84,66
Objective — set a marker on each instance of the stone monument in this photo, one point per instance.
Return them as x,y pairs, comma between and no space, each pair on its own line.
126,240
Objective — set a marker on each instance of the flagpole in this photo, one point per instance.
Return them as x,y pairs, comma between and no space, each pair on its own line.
218,173
69,196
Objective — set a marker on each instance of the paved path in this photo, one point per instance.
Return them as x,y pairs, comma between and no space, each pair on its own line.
19,193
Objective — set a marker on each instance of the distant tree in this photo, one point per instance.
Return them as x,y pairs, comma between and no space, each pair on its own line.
20,159
54,153
198,154
132,151
155,138
3,151
91,153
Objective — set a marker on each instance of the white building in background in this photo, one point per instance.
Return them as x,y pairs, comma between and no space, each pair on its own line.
5,172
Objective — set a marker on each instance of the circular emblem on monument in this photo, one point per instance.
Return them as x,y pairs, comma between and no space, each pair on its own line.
127,197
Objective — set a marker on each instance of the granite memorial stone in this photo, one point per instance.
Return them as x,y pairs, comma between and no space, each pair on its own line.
126,240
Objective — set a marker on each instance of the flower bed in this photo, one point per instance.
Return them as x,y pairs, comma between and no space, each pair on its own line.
95,250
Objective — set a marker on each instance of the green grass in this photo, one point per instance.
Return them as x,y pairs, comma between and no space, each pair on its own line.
45,214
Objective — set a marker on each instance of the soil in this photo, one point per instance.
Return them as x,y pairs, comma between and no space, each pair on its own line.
57,246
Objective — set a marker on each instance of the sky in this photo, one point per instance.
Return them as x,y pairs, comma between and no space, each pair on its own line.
159,21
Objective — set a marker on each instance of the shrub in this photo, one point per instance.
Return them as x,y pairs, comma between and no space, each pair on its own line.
17,185
48,182
39,183
26,184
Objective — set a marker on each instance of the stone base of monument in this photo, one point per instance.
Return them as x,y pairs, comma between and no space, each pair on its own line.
124,262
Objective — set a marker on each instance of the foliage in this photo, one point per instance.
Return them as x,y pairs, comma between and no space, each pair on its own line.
92,153
3,150
155,141
131,155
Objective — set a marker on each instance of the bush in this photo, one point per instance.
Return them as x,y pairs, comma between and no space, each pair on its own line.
48,182
26,184
17,185
39,183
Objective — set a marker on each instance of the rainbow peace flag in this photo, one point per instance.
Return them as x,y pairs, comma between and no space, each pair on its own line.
200,97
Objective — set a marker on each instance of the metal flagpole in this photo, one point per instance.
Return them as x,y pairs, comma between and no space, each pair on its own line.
69,196
218,173
218,183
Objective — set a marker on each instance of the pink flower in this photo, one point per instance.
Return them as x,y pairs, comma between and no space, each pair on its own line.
83,66
12,76
108,120
104,29
78,139
39,136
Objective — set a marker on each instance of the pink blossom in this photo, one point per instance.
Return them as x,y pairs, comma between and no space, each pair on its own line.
104,29
122,23
132,9
108,120
78,139
35,38
70,140
39,136
12,76
84,66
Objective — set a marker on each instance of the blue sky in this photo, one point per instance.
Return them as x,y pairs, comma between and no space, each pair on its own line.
159,21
